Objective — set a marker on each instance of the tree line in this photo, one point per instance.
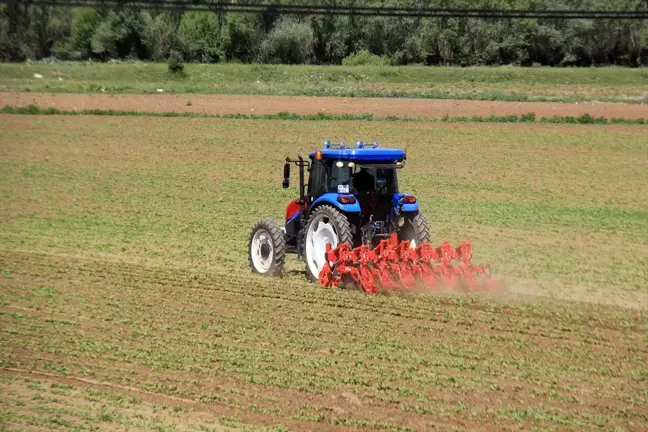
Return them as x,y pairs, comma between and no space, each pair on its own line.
38,32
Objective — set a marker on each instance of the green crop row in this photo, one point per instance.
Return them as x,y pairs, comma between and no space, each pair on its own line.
513,118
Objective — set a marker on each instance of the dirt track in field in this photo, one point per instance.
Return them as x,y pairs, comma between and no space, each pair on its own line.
247,104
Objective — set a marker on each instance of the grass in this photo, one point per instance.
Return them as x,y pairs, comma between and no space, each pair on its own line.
123,276
513,118
475,83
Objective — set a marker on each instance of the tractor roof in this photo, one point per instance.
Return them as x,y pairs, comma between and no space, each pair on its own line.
361,153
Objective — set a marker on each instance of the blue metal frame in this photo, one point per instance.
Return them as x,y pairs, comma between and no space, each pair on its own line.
406,207
363,154
331,198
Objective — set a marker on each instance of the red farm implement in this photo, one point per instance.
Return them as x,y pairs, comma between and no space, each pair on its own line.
396,266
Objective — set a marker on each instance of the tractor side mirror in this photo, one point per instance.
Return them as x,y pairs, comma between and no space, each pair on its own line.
286,180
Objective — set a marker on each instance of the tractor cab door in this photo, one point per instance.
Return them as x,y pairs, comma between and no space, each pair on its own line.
317,179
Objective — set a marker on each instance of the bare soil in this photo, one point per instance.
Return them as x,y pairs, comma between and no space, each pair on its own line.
249,104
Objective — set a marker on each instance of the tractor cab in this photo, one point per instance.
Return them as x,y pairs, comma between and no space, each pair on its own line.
356,171
346,176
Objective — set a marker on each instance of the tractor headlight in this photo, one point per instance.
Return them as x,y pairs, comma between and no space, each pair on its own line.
401,221
339,164
351,164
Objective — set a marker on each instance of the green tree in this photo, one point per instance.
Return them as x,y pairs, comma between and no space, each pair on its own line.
123,34
84,24
34,32
14,23
201,37
243,36
291,42
331,38
164,35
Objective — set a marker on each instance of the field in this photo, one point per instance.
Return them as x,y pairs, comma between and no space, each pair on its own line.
472,83
127,301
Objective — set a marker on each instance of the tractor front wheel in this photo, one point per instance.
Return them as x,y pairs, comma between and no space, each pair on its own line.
415,230
325,225
267,248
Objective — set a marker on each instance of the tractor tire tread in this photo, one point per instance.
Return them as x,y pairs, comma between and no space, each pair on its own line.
341,223
420,225
278,243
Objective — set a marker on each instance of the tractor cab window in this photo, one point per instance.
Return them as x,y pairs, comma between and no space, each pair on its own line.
340,178
350,177
374,179
364,179
317,179
386,180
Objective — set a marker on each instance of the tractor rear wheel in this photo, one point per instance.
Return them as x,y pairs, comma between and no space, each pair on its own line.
415,230
267,248
326,224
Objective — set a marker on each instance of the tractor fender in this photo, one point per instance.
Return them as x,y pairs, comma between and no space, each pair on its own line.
406,207
332,199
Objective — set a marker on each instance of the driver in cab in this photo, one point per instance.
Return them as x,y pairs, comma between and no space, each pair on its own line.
363,181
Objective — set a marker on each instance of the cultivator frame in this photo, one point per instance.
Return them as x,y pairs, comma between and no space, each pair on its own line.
353,228
395,266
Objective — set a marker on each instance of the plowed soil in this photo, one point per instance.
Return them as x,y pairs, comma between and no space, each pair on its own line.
313,359
238,104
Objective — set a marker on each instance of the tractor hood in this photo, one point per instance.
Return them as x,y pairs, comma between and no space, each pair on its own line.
386,155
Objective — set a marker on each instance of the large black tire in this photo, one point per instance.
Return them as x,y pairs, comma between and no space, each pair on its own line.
269,258
416,229
340,224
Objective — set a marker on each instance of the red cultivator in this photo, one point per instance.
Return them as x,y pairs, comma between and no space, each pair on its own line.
394,266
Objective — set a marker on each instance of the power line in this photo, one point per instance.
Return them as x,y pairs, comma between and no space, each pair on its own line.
304,9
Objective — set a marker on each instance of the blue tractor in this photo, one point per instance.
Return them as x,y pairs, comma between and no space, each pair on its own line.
351,195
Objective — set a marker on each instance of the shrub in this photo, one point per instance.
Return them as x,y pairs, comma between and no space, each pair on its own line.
176,65
364,58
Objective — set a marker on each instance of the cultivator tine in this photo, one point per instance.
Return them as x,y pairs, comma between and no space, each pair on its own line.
326,274
407,265
394,266
368,275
